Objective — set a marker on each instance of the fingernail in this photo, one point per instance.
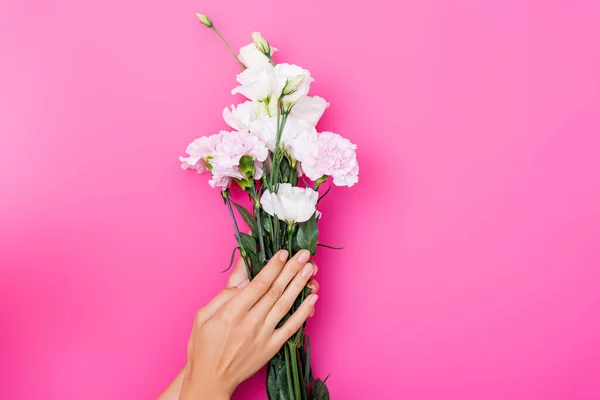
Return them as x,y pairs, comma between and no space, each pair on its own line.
307,270
243,283
313,299
283,255
303,256
311,286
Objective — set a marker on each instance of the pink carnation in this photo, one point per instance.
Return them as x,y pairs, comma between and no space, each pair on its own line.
224,151
226,158
198,150
330,155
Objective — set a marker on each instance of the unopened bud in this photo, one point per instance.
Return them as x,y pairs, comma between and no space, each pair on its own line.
261,43
292,84
320,181
205,20
247,166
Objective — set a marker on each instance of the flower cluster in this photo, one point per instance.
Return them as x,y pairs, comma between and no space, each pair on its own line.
278,121
275,154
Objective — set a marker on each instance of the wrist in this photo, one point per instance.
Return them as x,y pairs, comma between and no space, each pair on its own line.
198,388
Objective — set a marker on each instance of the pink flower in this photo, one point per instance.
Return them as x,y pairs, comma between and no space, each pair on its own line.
198,151
226,158
330,155
221,154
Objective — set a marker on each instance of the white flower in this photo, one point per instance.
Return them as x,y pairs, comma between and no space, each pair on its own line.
330,155
263,81
309,109
256,83
252,57
266,129
242,116
290,203
297,79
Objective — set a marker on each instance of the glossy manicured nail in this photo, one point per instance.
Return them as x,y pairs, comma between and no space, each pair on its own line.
313,299
283,255
303,256
307,270
243,283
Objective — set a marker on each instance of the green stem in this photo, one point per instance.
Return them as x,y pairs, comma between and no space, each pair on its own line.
229,47
303,388
293,178
294,362
278,155
243,253
288,372
289,238
263,256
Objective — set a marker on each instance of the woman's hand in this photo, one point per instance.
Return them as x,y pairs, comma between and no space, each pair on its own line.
236,333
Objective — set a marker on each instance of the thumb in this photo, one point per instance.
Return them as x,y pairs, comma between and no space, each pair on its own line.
238,275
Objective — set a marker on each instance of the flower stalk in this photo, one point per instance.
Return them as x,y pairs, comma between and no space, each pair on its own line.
243,253
208,23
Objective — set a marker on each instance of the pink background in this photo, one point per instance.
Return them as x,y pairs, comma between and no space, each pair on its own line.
471,268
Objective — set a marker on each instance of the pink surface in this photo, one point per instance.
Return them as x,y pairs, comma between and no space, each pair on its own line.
471,268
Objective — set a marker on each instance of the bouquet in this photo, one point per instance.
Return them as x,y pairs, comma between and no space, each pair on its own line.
276,156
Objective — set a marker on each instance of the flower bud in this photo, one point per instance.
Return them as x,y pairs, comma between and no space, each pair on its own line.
205,20
261,44
320,181
292,84
247,166
207,162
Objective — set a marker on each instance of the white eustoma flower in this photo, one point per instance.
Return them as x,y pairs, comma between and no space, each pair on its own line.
330,155
264,82
296,78
310,109
242,116
266,129
291,204
256,83
252,57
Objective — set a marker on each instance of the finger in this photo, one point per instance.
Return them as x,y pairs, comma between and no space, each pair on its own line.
313,285
289,296
316,266
261,283
290,270
294,323
215,304
238,275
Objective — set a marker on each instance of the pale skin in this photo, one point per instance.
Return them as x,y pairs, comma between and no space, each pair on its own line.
236,333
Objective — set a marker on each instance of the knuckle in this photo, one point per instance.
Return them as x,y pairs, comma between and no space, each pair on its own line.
281,308
274,292
261,287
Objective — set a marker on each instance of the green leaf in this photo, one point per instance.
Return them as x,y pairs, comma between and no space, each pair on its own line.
266,222
285,170
330,247
248,218
277,387
319,391
249,244
308,234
